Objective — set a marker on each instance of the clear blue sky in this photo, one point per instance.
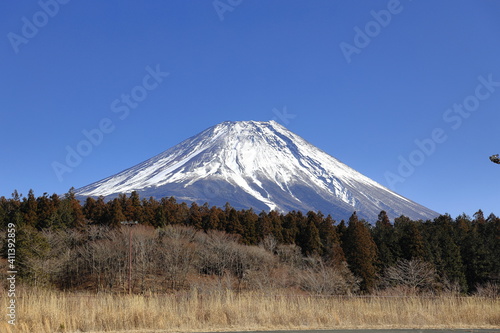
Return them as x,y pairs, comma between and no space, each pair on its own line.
362,79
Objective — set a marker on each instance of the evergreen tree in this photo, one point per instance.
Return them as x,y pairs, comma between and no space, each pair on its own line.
31,247
3,212
330,240
181,213
264,227
410,239
149,209
13,211
448,261
308,238
89,208
194,217
29,210
361,252
132,208
211,221
276,222
114,215
492,243
100,214
479,217
46,212
170,210
342,230
290,228
249,225
161,216
472,252
233,224
70,211
385,238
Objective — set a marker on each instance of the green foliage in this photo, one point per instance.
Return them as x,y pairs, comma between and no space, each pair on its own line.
361,252
385,238
447,257
32,250
410,239
330,241
308,238
463,251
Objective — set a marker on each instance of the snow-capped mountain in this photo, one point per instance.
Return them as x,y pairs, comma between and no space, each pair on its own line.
261,165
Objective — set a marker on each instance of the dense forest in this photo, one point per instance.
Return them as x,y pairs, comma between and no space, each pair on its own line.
68,244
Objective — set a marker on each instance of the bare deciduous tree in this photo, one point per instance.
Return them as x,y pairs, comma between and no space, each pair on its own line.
269,243
321,279
144,247
290,255
413,274
175,255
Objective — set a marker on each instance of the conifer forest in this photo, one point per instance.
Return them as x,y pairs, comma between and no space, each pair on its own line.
68,244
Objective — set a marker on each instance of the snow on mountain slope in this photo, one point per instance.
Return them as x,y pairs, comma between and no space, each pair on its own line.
261,165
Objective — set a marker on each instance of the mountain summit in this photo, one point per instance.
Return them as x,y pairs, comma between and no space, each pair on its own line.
261,165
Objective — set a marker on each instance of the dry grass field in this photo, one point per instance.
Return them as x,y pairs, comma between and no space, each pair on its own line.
45,311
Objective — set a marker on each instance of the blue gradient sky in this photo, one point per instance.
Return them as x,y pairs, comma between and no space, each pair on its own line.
67,67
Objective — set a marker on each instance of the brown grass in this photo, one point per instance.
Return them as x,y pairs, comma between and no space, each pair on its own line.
53,311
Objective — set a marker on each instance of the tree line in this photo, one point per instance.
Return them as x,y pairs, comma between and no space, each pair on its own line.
461,253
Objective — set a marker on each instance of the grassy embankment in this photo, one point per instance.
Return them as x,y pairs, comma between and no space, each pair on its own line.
53,311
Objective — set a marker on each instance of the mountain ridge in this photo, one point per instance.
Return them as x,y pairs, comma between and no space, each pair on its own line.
261,165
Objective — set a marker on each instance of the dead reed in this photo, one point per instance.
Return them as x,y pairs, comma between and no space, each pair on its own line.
46,311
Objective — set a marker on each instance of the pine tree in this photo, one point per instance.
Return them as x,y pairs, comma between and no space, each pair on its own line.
89,208
100,214
46,212
264,227
132,208
342,230
249,225
386,241
70,210
308,238
290,229
180,213
492,242
233,223
114,215
479,217
211,221
410,239
3,212
448,261
473,252
169,209
361,252
330,239
194,218
29,209
276,220
149,209
13,212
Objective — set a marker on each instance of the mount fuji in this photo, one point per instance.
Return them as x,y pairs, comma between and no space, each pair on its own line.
260,165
